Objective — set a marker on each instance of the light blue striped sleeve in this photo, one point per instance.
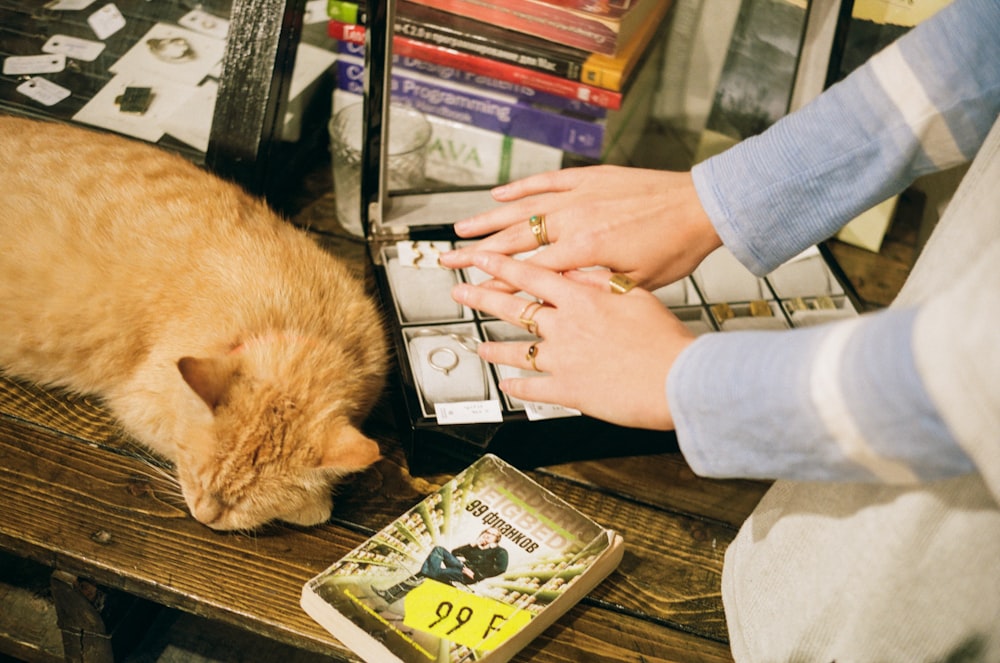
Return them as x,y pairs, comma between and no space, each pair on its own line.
922,104
841,401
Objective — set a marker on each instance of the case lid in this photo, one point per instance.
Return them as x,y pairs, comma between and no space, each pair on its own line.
405,214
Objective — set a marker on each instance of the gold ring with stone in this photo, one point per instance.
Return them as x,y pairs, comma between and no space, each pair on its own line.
524,317
532,354
537,223
620,284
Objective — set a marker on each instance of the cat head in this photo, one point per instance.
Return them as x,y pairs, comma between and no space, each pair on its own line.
273,449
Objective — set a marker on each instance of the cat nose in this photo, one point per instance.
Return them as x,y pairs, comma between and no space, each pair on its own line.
207,511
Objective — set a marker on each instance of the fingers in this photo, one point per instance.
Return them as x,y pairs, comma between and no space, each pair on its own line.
555,180
528,356
520,275
525,197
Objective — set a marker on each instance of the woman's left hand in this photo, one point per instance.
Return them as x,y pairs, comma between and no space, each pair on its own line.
605,354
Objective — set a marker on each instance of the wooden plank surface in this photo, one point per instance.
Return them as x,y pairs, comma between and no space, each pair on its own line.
90,507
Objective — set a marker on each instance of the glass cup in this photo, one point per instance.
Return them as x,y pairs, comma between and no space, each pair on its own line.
409,136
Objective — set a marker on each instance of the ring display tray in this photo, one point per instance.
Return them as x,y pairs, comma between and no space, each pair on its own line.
449,407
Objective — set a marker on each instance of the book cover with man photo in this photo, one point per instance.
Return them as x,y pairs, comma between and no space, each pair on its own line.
475,570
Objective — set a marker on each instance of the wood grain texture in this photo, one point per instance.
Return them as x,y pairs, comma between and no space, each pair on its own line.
91,507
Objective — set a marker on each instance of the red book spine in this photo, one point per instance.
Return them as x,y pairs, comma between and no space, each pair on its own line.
563,87
545,21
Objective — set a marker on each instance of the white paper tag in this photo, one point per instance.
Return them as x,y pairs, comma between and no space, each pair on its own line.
538,411
202,22
468,412
73,47
106,21
34,64
315,12
421,254
69,5
43,91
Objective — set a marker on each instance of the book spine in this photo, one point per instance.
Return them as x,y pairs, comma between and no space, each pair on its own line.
512,52
493,112
342,10
546,21
517,48
465,155
523,93
555,85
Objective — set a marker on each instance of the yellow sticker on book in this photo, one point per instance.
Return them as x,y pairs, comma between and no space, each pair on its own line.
459,615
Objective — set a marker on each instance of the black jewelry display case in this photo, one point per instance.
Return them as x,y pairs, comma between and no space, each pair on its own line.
448,405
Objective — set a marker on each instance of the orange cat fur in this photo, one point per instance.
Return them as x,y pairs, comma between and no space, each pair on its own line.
221,337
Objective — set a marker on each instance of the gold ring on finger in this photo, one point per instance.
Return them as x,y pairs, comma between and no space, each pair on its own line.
524,317
537,223
620,284
532,354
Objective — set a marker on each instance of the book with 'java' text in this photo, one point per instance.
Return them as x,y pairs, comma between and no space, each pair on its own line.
473,572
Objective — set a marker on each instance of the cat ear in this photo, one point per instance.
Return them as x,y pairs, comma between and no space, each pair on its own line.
349,451
209,378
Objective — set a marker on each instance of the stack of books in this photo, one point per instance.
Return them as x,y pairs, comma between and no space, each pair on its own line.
562,81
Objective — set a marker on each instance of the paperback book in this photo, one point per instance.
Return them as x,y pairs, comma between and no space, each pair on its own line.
469,36
475,571
600,27
523,93
485,66
611,139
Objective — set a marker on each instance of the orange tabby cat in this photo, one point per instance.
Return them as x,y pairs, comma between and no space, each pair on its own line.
221,337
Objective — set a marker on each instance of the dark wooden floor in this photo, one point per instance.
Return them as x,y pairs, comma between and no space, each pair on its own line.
663,604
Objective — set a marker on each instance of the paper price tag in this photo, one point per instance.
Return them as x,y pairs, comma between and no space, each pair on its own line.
538,411
106,21
73,47
315,12
477,622
34,64
469,412
43,91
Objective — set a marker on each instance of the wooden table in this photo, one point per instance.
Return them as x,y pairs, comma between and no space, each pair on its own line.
78,497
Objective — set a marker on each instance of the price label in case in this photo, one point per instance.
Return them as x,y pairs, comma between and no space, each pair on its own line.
16,65
74,47
106,21
458,615
43,91
468,412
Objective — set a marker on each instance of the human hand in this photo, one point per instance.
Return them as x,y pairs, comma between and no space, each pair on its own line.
647,224
605,354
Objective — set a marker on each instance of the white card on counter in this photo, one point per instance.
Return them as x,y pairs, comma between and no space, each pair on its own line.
468,412
74,47
17,65
106,21
43,91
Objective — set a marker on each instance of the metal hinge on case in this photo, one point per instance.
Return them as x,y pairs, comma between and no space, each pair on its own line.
380,232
